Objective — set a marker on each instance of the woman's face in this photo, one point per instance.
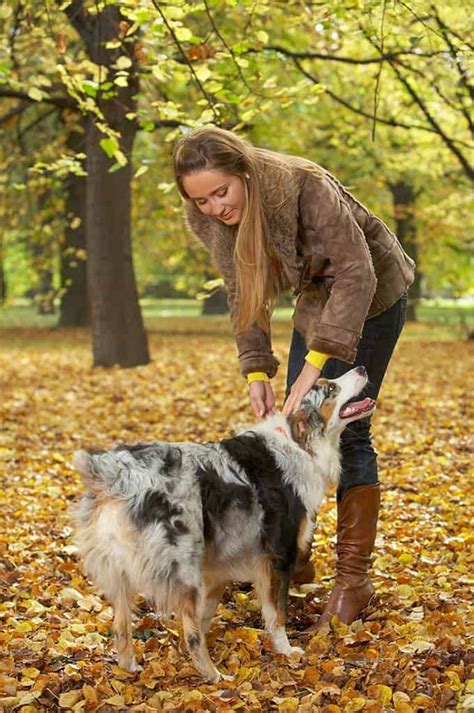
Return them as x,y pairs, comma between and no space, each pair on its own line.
217,194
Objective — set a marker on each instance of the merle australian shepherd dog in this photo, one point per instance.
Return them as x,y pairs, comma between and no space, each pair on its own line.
178,521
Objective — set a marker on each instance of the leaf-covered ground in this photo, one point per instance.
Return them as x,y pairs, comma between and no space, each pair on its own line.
411,653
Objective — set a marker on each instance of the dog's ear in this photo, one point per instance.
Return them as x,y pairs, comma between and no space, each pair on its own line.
299,426
320,391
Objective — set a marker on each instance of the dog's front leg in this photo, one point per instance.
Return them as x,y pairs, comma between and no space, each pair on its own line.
272,589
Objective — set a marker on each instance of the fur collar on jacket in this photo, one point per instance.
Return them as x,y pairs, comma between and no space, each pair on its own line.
280,186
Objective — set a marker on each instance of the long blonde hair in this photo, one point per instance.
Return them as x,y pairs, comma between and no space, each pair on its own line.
209,147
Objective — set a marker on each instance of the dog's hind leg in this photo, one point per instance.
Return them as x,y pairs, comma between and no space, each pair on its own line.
212,599
272,589
122,600
192,610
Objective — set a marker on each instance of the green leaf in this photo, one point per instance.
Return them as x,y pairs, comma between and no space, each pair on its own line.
36,94
158,73
123,62
172,135
203,73
174,13
90,88
141,171
183,34
6,11
166,187
110,146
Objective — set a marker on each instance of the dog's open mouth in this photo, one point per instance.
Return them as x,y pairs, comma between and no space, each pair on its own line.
355,408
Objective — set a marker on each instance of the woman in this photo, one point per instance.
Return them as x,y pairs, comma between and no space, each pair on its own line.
272,222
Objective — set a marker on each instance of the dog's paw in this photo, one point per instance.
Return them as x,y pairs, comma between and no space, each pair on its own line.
131,666
217,676
295,651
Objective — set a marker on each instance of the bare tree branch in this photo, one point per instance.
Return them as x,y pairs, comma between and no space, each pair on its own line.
430,118
357,110
338,58
187,62
64,102
82,22
18,109
13,36
463,73
447,140
36,121
419,18
456,107
379,73
227,46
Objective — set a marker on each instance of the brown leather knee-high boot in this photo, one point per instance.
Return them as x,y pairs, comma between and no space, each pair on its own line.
357,515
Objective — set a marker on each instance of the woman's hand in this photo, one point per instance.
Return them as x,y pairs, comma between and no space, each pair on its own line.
262,398
307,378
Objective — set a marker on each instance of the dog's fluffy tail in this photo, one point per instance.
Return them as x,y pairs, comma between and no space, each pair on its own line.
102,472
83,462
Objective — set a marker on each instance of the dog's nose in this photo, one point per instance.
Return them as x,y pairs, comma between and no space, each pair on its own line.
361,370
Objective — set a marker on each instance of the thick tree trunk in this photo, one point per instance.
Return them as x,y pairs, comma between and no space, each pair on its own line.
404,200
74,309
44,297
118,332
43,259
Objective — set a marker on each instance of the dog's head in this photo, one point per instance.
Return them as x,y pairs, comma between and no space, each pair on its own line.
330,406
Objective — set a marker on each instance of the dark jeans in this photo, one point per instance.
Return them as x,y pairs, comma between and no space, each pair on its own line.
379,336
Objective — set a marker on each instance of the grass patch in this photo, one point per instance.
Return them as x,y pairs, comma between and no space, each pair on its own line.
437,320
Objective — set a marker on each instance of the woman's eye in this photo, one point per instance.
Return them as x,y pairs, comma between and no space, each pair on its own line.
221,194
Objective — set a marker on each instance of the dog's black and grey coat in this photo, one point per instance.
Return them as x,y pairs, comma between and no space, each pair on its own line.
176,522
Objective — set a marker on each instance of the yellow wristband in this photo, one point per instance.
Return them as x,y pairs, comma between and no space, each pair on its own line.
316,359
257,376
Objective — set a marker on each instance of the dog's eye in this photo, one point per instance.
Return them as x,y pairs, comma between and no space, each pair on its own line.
331,388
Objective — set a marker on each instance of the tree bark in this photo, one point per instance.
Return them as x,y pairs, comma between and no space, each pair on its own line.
74,309
43,258
118,332
44,297
404,200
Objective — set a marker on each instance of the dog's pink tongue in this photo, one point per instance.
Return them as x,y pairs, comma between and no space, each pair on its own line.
355,407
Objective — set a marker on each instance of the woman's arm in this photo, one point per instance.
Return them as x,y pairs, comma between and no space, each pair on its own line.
328,224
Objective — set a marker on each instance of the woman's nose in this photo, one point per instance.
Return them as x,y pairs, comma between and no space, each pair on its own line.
217,207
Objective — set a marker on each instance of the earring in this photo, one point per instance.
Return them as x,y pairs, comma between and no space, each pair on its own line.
247,176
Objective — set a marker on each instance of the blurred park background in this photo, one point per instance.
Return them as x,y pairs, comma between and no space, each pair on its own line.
94,95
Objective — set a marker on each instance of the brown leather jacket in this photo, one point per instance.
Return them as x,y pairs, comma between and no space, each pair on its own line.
344,263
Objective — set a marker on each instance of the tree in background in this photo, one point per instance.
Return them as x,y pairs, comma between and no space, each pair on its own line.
118,332
368,94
